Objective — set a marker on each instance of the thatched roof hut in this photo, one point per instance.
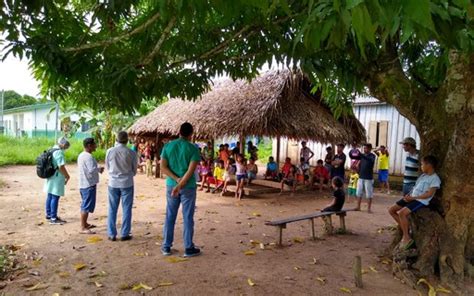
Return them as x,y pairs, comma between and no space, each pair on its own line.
277,103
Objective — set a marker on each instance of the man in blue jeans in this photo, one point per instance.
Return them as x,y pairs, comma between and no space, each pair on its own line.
179,160
121,163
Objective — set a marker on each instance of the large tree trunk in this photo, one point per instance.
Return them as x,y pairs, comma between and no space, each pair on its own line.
445,235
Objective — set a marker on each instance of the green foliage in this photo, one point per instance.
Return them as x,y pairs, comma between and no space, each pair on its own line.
12,99
264,150
23,151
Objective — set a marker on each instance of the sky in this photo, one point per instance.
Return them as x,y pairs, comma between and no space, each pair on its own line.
15,75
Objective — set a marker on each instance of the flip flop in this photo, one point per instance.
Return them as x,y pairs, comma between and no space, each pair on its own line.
90,226
87,231
408,245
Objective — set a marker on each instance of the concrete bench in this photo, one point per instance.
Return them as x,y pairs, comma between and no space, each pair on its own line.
281,224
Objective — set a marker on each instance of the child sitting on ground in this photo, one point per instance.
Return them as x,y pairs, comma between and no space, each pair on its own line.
339,196
272,169
252,170
241,176
419,197
290,180
320,176
218,176
204,171
302,171
285,169
352,188
229,174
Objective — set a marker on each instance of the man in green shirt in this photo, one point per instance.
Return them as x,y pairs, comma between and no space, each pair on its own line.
179,160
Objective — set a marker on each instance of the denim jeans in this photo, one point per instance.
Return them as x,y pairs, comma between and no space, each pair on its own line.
186,197
115,194
52,203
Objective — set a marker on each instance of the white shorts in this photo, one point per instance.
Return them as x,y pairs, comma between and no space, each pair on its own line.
367,186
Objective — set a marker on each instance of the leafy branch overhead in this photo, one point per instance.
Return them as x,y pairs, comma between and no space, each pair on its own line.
116,53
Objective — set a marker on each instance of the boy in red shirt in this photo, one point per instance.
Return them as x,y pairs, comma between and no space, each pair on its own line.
320,175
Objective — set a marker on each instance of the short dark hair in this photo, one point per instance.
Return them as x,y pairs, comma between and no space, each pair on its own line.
303,142
320,161
252,158
88,141
226,145
186,130
271,157
328,148
337,181
382,146
340,145
430,159
368,145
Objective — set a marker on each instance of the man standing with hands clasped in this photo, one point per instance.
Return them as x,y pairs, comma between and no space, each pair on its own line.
88,179
179,160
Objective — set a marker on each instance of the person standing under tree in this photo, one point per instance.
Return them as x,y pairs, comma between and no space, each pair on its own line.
306,153
56,184
179,160
338,163
366,177
121,163
88,180
384,161
412,165
328,159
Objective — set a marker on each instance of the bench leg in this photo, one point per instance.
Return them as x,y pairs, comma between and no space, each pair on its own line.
328,229
342,221
280,235
311,225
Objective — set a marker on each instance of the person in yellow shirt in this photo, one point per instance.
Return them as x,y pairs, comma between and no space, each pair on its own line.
384,161
352,188
218,175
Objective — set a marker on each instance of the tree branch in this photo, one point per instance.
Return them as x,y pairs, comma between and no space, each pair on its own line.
158,45
113,40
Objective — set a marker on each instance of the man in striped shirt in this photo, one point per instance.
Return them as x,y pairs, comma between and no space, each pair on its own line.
412,165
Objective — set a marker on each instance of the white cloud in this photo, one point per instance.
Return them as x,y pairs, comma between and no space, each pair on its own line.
15,75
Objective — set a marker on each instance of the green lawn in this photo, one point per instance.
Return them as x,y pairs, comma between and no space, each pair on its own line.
14,151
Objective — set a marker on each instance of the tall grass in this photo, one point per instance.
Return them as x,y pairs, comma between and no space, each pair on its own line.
15,151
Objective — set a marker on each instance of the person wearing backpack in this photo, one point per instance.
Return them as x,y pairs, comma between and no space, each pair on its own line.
55,184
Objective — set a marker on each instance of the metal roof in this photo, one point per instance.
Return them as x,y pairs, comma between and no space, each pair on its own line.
27,108
367,101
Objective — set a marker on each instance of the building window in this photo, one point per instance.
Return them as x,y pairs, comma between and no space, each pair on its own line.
378,133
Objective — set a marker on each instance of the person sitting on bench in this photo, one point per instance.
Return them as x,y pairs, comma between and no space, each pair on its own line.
419,197
339,196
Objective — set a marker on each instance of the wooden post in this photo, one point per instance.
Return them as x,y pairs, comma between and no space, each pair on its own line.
157,156
278,151
327,224
242,145
357,270
212,151
342,221
280,234
311,225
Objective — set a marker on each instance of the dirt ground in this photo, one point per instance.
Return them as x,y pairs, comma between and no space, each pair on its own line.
224,230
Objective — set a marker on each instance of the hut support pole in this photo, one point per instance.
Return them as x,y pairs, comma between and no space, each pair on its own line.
157,156
242,144
212,150
278,150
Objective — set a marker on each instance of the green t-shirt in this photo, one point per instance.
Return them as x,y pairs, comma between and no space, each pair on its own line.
179,154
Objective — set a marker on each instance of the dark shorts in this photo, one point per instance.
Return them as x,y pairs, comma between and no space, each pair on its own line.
241,177
88,199
289,182
413,206
383,175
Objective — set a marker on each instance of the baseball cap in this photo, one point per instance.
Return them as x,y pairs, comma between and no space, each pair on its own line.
409,140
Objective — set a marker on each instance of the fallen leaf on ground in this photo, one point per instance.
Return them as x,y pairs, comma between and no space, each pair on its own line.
37,262
250,252
38,286
250,282
315,261
94,239
254,242
346,290
296,268
55,294
432,291
443,290
364,271
165,284
373,269
98,285
139,254
298,240
141,286
175,259
256,214
99,274
321,280
386,261
79,266
262,246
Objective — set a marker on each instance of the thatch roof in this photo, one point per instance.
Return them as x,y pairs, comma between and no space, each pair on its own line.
276,103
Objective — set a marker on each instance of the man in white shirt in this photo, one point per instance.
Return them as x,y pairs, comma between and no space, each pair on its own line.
88,179
121,163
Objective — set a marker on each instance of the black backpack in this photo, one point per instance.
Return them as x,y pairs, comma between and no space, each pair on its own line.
44,164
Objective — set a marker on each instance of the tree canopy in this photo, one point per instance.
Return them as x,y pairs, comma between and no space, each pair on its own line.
116,53
12,99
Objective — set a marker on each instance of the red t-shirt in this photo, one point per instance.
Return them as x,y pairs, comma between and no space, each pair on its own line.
321,172
286,168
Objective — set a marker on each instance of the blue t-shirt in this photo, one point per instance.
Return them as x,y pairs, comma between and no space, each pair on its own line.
423,184
272,166
179,154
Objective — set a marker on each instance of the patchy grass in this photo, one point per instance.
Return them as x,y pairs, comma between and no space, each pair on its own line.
24,151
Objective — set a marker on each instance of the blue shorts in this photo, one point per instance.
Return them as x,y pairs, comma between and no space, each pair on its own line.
241,177
88,199
413,206
407,187
383,175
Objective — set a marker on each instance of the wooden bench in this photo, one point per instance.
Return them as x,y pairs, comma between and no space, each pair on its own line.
281,224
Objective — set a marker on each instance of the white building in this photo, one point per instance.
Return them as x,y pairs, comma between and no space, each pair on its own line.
32,120
384,126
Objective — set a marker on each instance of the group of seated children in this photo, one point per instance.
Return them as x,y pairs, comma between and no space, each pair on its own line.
229,166
292,175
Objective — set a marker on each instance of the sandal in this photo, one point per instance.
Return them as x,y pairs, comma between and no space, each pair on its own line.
87,231
90,226
408,245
